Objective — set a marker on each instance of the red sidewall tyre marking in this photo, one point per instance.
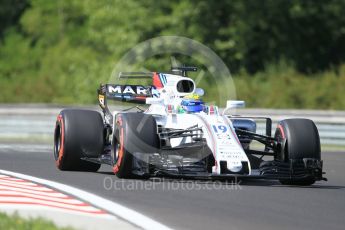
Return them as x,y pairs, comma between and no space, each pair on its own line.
62,141
120,156
280,127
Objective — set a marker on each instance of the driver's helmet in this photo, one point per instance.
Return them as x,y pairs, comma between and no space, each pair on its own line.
192,103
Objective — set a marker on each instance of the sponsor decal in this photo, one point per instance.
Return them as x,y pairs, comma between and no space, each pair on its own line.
155,93
127,89
101,100
223,136
163,78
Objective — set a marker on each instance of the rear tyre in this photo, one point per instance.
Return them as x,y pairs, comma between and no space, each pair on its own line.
302,141
135,133
78,134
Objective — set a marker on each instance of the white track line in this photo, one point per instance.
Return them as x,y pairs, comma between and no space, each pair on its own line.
130,215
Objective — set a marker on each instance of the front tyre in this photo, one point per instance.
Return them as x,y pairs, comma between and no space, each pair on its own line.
135,137
302,141
78,134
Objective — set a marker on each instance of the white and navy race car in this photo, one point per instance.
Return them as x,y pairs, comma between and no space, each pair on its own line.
178,135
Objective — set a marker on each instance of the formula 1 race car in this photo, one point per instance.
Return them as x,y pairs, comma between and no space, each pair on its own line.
178,135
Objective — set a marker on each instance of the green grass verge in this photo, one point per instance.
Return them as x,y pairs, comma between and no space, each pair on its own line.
278,86
15,222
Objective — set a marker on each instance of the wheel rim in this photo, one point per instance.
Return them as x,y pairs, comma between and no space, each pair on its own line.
116,155
57,141
281,155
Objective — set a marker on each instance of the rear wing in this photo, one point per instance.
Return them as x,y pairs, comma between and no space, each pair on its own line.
125,93
179,70
136,75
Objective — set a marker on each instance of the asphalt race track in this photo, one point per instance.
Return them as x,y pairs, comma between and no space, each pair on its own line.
185,204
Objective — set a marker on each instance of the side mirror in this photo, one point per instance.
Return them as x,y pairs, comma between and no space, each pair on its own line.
235,104
157,101
199,91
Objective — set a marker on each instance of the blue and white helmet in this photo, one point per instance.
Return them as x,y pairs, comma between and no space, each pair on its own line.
192,103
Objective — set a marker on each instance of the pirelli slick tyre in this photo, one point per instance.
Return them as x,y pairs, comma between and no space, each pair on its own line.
302,141
78,134
134,133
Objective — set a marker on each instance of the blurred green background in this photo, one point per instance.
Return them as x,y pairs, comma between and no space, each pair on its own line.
282,54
